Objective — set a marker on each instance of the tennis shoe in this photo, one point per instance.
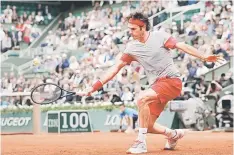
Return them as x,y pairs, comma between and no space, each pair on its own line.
137,148
172,141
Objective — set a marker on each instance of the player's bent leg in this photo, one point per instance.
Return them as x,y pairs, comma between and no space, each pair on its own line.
152,121
167,89
144,114
156,107
139,145
172,135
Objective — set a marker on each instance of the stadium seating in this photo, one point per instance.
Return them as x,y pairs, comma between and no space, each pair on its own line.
89,48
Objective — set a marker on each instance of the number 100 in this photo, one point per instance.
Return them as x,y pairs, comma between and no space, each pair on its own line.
75,120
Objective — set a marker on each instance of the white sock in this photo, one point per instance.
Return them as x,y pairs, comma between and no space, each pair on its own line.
169,133
142,134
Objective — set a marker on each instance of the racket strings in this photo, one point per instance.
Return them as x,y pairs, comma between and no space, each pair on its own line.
46,94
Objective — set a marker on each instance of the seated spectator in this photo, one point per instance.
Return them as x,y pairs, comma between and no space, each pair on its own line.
65,62
192,70
8,14
6,43
17,100
85,25
15,38
127,95
72,42
29,20
59,70
35,32
50,63
4,103
73,63
222,79
213,89
19,87
209,27
61,25
39,19
70,20
226,79
219,50
33,15
20,26
20,19
27,33
87,81
14,14
114,96
201,69
123,77
48,18
200,87
76,78
109,58
25,16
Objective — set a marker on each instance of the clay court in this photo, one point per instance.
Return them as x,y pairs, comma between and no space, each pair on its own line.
194,143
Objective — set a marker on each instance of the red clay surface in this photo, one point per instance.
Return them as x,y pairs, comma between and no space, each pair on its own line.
194,143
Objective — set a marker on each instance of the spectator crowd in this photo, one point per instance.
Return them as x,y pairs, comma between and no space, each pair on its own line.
16,27
101,35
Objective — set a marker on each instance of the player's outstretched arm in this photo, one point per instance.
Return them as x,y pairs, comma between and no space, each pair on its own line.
110,73
194,52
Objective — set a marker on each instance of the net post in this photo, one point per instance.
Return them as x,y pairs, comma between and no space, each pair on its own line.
36,118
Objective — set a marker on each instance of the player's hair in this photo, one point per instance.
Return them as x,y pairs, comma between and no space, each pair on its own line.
140,16
122,105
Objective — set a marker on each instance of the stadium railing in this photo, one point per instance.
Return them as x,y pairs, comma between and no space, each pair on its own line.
216,72
45,31
24,96
176,14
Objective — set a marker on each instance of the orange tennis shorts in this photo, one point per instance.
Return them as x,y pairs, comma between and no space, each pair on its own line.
167,90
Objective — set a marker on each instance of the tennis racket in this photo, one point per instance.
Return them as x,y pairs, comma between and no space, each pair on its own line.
48,93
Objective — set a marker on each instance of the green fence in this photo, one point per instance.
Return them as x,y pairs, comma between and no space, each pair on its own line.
74,121
16,122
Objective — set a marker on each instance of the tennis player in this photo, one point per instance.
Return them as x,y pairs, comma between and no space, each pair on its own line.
152,51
